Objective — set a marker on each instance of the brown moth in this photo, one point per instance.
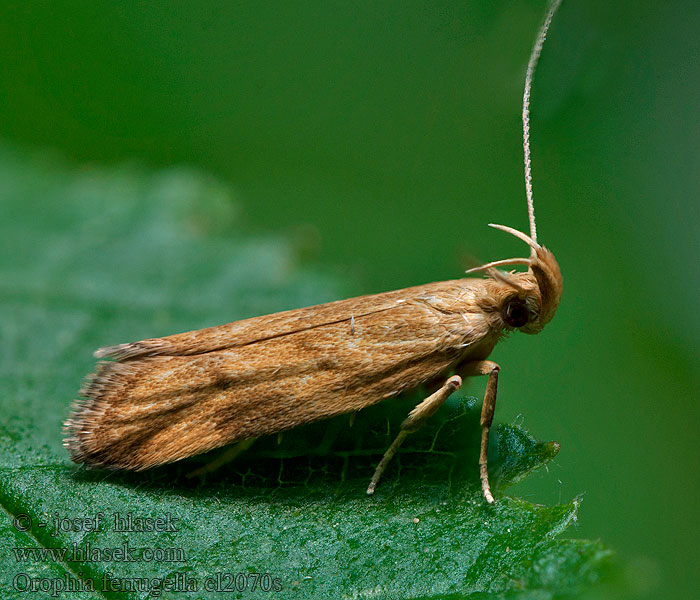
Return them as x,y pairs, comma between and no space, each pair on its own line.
164,399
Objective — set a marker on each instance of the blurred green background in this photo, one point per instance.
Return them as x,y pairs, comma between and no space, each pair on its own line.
385,136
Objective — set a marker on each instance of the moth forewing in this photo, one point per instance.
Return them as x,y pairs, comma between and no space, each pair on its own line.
167,402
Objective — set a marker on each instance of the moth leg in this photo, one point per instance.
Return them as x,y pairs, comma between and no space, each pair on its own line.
222,459
484,367
413,422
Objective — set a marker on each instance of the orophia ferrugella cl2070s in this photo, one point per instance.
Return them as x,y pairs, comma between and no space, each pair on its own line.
164,399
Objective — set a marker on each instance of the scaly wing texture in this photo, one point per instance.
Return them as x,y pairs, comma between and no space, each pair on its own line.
140,412
248,331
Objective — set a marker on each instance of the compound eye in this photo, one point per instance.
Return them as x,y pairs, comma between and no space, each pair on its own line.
514,312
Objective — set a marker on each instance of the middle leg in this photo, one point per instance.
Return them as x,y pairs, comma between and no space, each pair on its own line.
415,419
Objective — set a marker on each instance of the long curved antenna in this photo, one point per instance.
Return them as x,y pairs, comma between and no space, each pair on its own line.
518,234
500,263
529,76
508,261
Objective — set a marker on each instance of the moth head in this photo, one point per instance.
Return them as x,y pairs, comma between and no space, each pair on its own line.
528,300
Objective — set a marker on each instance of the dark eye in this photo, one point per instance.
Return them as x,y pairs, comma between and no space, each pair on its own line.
514,312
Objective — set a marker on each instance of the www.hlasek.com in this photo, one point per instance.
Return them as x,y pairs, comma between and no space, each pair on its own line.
90,553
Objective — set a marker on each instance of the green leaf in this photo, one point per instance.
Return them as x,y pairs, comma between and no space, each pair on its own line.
92,257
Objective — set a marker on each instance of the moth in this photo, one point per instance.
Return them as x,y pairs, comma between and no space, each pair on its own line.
164,399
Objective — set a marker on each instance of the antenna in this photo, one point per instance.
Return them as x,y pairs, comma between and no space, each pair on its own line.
531,66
